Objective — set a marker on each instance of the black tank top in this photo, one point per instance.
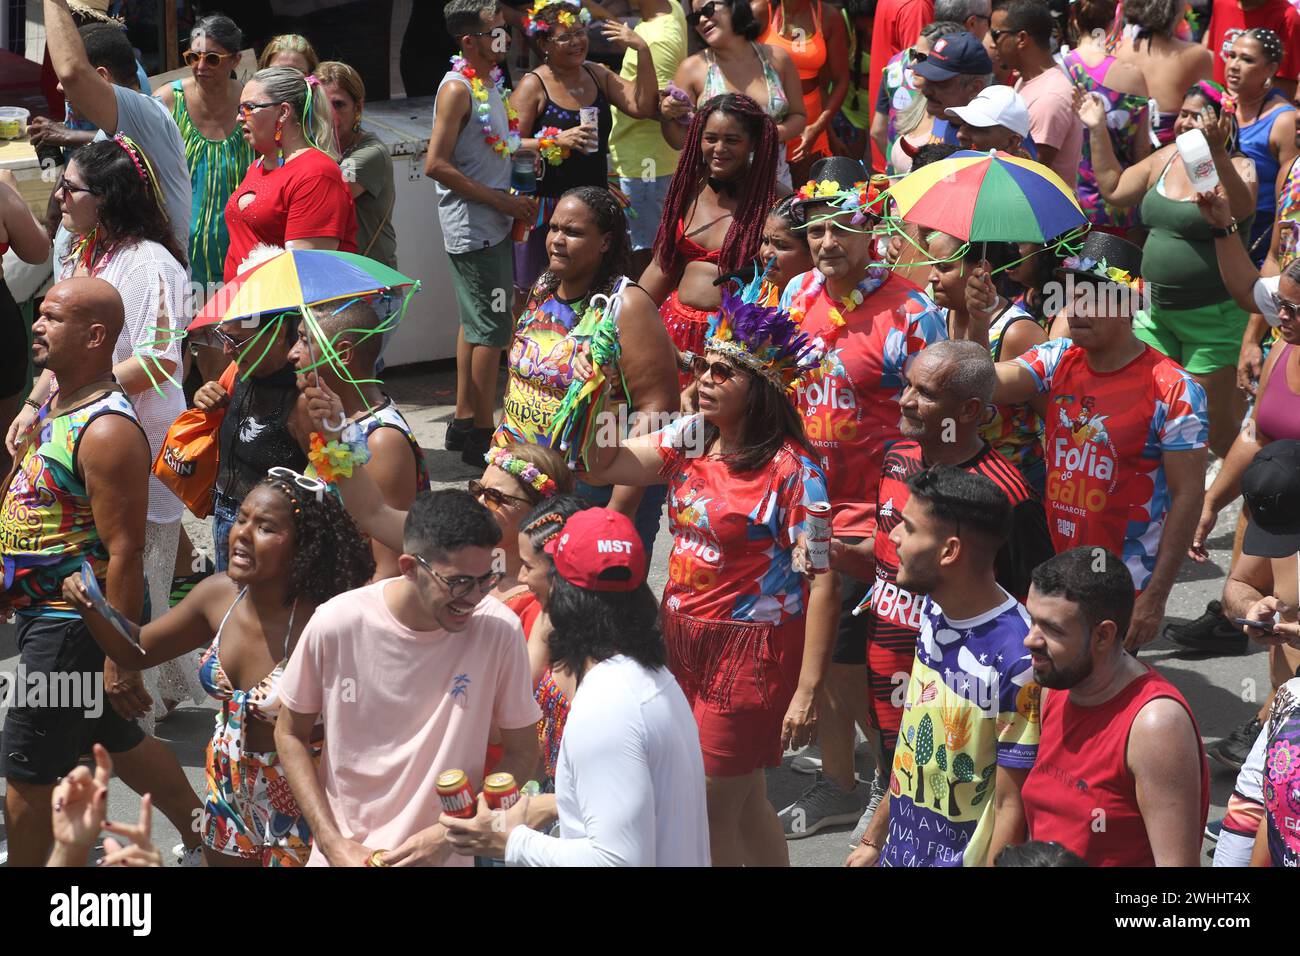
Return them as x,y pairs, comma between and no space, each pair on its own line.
255,433
580,169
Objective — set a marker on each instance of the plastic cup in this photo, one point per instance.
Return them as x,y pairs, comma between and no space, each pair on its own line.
13,122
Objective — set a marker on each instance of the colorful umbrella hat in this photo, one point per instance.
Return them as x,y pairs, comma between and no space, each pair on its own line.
295,278
989,197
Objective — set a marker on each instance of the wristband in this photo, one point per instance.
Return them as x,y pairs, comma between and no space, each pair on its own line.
550,150
1224,233
336,458
35,405
686,361
865,842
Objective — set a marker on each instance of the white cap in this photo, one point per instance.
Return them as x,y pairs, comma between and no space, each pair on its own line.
995,106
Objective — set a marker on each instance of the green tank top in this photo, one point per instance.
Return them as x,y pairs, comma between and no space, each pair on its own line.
216,169
1179,264
46,525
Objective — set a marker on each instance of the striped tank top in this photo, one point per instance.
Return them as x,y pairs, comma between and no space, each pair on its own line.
216,169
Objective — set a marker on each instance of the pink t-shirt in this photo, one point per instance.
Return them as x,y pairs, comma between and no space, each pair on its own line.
1053,121
401,706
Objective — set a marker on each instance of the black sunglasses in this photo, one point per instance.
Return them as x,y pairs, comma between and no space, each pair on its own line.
719,372
708,10
999,34
462,584
499,498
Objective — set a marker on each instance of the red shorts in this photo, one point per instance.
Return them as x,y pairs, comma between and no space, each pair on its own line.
739,678
687,327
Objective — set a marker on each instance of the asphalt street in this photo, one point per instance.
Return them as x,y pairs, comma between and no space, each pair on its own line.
1222,691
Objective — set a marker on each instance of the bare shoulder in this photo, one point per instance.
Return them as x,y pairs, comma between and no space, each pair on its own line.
1161,724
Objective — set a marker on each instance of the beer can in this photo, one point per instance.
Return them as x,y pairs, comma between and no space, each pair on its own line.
817,536
456,794
500,791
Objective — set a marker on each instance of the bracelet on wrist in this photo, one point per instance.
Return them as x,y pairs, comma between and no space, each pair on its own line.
871,843
32,404
1224,233
548,147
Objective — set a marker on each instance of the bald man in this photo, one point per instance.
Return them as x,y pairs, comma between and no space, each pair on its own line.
79,492
396,462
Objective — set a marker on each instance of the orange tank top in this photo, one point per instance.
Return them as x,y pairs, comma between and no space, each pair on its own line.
808,52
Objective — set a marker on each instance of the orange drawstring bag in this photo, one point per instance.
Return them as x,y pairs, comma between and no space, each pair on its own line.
187,463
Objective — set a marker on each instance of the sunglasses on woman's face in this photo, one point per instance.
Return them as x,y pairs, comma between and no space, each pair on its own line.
211,60
708,10
498,498
719,373
70,188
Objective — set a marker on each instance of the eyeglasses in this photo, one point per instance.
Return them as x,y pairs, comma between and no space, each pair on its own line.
496,33
916,56
981,16
462,584
572,38
246,108
191,57
312,486
1289,309
719,372
498,498
68,187
226,338
998,34
708,10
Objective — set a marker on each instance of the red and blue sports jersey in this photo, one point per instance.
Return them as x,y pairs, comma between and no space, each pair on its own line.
851,403
1104,438
734,532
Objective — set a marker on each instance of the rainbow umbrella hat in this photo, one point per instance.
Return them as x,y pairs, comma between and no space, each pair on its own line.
296,278
989,197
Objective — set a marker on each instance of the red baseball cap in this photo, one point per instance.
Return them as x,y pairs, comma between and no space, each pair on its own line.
599,550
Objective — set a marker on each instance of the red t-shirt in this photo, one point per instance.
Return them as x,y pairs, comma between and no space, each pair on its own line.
850,404
1105,437
1082,768
898,23
305,198
734,532
1228,21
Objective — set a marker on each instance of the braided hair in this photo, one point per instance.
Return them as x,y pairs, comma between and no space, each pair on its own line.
611,222
757,194
1268,41
330,555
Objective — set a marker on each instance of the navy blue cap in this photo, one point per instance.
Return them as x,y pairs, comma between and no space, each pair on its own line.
957,54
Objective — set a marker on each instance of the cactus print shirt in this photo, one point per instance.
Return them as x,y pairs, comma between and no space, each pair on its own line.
971,707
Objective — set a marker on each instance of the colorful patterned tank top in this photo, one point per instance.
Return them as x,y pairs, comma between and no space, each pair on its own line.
216,169
46,525
546,342
1288,217
385,416
1015,431
1126,122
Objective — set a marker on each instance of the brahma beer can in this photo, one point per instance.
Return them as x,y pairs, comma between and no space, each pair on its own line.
500,791
817,536
456,794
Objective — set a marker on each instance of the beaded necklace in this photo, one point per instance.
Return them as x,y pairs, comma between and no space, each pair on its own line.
478,90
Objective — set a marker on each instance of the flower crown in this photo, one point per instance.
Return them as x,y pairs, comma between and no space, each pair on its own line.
762,338
525,471
863,199
826,189
1099,268
566,18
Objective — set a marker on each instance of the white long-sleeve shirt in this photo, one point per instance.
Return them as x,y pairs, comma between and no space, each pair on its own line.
629,782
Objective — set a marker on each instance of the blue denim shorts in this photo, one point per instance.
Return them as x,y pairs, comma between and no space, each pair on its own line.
224,512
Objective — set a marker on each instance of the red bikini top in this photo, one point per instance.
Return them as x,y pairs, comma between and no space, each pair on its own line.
692,250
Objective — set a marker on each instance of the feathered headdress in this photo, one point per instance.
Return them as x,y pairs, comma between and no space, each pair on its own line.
576,13
762,338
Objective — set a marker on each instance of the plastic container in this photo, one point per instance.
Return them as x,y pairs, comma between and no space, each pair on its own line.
13,122
1195,151
589,116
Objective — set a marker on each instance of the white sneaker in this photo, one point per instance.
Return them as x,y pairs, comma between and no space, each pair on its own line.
186,857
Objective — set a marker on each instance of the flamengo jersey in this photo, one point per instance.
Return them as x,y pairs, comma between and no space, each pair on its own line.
1104,437
895,615
850,405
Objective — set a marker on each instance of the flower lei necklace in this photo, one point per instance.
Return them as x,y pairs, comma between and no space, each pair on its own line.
872,281
478,90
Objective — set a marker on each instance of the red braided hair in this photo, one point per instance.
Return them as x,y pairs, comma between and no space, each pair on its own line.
757,196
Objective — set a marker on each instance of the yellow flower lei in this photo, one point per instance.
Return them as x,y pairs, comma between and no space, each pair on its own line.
336,458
